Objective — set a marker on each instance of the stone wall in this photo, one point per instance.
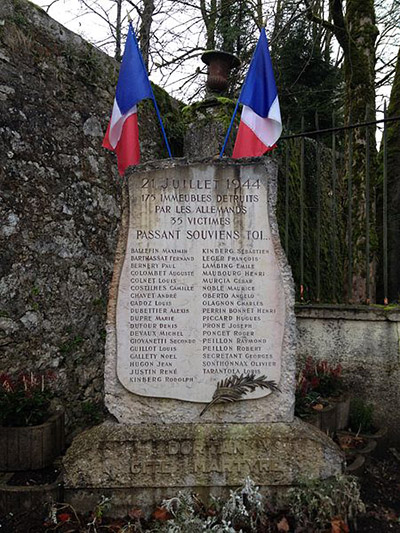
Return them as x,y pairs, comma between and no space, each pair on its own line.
366,341
60,202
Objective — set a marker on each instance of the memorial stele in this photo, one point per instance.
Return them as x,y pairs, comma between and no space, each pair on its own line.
200,294
201,301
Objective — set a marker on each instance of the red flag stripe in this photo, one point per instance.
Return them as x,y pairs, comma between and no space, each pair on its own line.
248,144
127,149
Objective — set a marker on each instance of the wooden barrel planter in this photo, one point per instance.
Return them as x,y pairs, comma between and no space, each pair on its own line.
325,419
333,417
20,498
31,447
342,412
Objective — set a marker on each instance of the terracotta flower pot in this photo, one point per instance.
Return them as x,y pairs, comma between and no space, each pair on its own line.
353,444
32,447
379,436
355,465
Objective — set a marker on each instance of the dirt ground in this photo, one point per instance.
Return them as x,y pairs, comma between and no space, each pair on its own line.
380,489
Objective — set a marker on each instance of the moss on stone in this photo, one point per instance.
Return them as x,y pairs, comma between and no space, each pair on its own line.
170,111
215,109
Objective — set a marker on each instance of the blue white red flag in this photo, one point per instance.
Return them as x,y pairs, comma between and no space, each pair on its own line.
122,136
260,123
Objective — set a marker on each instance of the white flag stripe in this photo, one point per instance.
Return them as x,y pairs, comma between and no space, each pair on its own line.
117,123
269,129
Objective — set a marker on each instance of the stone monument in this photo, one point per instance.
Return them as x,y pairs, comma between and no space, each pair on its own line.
200,350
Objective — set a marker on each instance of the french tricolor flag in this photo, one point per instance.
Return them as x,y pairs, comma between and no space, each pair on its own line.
260,123
122,136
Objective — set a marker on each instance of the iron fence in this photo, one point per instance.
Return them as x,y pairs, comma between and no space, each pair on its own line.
316,213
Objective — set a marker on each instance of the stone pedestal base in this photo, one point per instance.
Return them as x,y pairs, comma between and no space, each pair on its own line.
139,465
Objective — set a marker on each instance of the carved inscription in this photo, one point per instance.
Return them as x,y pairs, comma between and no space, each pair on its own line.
200,295
177,459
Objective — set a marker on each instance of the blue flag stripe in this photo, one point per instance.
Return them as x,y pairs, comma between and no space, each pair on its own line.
133,83
259,90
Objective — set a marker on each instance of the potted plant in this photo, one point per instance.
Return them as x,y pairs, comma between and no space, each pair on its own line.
361,420
361,424
353,444
320,397
30,435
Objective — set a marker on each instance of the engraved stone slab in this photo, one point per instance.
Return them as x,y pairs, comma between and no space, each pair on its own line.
201,290
153,463
200,296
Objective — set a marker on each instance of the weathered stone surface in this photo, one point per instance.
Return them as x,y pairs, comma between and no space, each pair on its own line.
207,124
366,341
60,202
132,408
152,461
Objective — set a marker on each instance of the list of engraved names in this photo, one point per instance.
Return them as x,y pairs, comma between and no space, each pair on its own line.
200,294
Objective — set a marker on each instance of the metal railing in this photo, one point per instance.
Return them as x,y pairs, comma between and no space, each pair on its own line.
331,151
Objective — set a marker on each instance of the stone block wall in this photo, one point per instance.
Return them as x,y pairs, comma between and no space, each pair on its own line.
59,202
366,341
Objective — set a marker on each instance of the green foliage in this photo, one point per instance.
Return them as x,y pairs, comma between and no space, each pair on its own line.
215,109
170,111
361,415
232,25
100,302
315,503
19,17
307,81
25,399
304,403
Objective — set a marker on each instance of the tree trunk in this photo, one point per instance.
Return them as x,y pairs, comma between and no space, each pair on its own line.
393,170
118,55
225,26
210,21
357,33
145,26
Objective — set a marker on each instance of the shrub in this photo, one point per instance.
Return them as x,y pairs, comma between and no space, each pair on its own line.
315,504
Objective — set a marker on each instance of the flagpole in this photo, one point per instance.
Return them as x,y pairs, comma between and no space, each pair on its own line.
161,124
154,99
230,127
